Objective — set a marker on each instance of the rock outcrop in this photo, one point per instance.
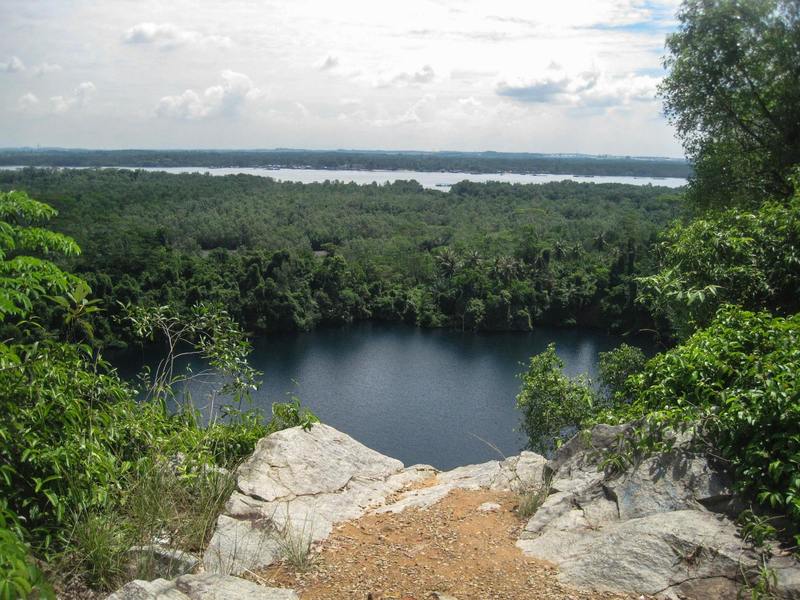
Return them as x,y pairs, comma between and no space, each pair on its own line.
661,528
298,485
518,473
302,483
208,586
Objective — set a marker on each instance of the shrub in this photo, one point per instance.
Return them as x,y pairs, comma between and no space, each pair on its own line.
748,258
615,366
19,576
98,550
531,499
81,460
737,384
552,405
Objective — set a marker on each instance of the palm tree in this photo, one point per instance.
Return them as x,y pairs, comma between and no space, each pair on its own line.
505,268
600,241
448,262
473,259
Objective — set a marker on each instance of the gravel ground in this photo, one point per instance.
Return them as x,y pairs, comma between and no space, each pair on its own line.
449,550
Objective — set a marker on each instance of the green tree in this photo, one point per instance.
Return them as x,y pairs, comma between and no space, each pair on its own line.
738,256
553,406
733,92
616,366
24,278
474,313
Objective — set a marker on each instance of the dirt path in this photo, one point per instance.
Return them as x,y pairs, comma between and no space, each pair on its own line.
452,548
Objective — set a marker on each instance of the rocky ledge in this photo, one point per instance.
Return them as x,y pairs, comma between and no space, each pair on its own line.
662,528
301,483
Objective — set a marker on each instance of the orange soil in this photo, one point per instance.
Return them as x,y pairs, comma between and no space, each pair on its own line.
452,549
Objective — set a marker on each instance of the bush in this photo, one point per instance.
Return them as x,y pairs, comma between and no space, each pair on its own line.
748,258
552,405
617,365
83,463
737,384
555,406
19,576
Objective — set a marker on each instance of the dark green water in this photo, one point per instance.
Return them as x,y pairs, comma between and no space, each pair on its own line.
422,396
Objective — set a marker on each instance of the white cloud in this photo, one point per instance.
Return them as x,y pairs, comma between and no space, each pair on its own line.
44,68
167,35
302,110
12,65
28,101
328,63
224,99
484,64
590,89
79,98
555,86
425,75
422,110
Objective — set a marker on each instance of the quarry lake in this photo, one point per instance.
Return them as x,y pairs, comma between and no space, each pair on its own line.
439,397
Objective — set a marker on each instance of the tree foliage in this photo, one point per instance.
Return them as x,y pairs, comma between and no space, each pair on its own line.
19,576
74,436
616,366
733,92
553,406
24,278
738,256
285,256
736,384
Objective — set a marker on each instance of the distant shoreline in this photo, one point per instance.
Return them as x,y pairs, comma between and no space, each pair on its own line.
441,181
479,163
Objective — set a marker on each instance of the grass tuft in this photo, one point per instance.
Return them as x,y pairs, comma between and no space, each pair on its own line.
531,499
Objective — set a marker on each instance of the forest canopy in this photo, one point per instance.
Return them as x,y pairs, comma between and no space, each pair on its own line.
289,256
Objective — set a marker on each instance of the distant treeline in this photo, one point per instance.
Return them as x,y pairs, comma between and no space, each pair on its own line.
473,162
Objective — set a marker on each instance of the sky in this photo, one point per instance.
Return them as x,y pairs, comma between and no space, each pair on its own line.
529,76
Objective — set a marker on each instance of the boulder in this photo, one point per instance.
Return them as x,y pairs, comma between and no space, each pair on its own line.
674,481
300,484
660,528
662,554
517,473
162,561
207,586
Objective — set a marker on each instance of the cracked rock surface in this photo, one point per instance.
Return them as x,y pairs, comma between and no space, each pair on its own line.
200,587
661,528
297,485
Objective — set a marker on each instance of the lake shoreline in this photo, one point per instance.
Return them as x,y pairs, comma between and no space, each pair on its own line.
398,387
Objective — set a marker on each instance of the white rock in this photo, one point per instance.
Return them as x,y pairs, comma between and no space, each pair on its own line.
300,484
165,561
661,554
200,587
648,530
471,477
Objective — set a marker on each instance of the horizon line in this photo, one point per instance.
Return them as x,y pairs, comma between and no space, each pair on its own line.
352,150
